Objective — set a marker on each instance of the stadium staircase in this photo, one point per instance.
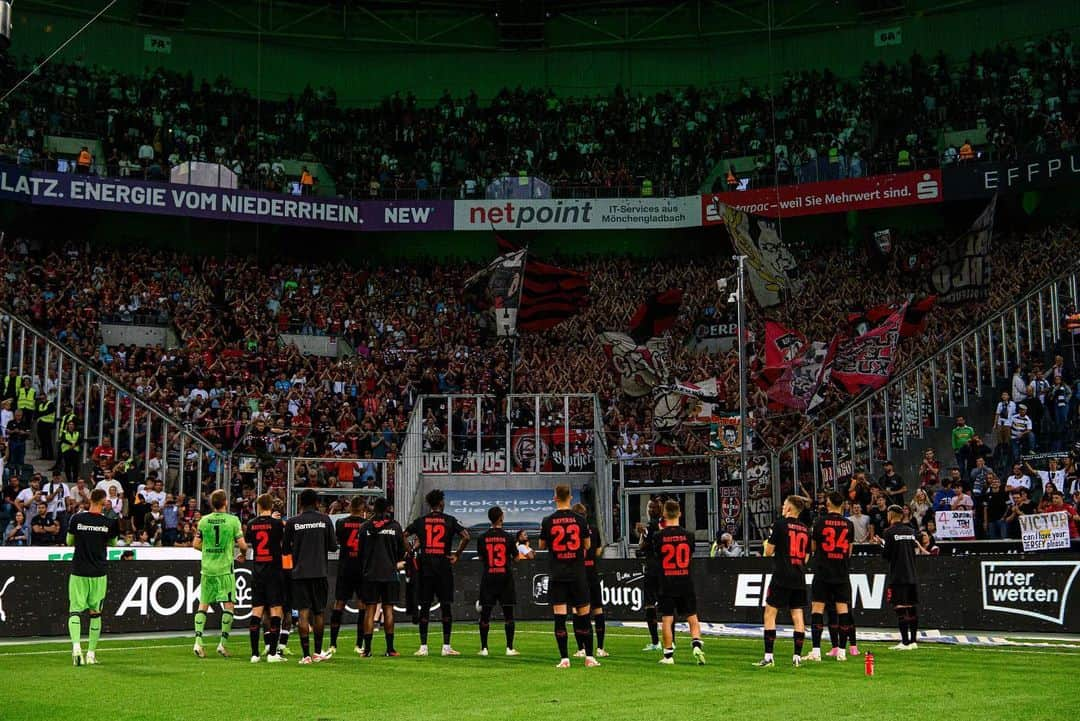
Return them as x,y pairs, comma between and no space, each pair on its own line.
965,377
72,378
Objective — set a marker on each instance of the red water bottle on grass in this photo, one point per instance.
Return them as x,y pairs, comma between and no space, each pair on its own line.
869,660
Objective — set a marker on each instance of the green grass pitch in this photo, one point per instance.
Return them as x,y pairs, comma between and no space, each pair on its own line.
147,680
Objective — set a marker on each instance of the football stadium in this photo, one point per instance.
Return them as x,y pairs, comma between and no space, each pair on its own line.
539,359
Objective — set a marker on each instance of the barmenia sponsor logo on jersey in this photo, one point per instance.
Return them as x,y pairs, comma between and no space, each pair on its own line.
309,526
171,595
867,590
1039,589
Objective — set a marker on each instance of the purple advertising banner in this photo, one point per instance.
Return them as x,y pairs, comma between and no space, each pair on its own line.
88,191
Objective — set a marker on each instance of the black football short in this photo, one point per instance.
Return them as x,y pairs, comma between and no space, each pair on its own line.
652,589
677,599
902,594
439,585
348,584
823,591
496,591
570,591
286,583
268,588
596,593
310,593
385,593
780,597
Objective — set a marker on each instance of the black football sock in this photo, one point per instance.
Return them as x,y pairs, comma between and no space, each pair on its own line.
583,632
389,641
253,634
305,646
817,623
846,630
485,625
601,629
366,642
283,637
696,643
508,615
800,637
852,641
274,636
560,634
832,621
318,633
902,624
424,621
913,624
360,629
669,652
447,628
654,629
770,641
335,625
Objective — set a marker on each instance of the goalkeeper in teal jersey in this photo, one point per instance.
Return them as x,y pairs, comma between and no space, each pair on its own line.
219,533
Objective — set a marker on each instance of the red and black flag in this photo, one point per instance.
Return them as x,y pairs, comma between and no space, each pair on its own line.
916,316
549,294
656,315
913,324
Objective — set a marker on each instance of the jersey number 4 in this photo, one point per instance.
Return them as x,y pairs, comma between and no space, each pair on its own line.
353,544
565,538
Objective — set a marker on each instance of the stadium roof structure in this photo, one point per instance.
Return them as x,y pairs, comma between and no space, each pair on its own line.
502,24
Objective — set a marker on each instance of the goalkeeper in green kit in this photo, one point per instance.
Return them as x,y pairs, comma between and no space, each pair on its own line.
218,534
90,533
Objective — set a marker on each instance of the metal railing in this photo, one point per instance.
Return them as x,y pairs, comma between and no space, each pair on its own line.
337,477
876,423
109,410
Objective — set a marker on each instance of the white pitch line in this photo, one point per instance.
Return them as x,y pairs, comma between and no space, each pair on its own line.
105,650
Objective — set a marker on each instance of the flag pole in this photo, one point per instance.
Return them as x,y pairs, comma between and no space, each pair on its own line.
514,336
741,321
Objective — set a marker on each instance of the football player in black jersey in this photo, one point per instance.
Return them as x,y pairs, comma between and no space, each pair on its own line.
382,546
566,535
789,544
350,572
831,543
435,534
652,571
264,536
91,533
497,552
899,546
675,549
596,596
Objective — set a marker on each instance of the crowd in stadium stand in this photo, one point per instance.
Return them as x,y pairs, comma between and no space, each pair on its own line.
414,333
1026,99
